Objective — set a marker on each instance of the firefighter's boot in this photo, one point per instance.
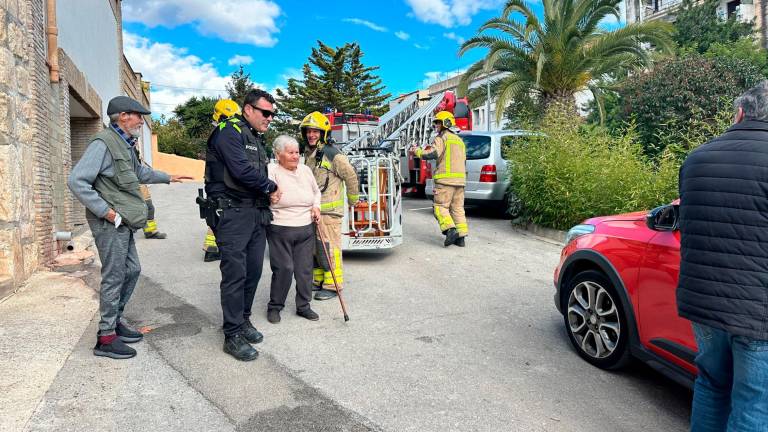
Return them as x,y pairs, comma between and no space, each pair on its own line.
151,232
451,236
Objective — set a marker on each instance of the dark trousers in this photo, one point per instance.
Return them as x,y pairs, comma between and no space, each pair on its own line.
241,237
290,256
120,270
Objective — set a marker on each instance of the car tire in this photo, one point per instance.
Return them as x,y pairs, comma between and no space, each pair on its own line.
513,207
595,320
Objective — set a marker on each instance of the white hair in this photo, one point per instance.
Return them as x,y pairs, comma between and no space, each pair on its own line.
282,142
113,117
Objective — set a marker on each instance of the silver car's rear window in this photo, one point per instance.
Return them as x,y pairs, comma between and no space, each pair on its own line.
478,146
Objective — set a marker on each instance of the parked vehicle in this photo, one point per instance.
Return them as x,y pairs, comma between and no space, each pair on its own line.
615,287
487,180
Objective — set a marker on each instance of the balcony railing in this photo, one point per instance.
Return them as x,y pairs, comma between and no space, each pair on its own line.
655,8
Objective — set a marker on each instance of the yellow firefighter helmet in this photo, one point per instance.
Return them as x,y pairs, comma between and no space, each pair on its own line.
225,108
446,119
316,120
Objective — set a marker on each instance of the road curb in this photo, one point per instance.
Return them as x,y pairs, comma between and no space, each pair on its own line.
543,232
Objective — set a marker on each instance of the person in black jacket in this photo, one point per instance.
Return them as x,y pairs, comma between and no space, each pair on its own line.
723,285
236,180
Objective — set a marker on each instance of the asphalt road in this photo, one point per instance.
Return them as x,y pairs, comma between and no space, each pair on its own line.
439,340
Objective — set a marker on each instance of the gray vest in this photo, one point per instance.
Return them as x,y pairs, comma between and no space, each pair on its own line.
121,191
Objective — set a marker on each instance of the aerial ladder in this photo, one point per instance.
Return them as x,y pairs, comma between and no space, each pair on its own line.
383,166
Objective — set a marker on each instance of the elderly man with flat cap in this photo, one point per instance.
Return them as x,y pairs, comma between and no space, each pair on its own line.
106,180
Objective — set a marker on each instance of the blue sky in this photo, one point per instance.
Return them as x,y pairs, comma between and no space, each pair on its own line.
190,47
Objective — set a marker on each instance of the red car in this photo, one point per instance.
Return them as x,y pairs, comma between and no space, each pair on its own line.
615,287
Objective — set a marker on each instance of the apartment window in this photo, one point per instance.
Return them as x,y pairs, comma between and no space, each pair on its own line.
733,8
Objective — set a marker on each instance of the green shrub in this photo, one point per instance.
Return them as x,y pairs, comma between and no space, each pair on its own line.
679,90
574,172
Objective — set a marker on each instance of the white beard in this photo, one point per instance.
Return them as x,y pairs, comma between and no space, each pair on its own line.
135,132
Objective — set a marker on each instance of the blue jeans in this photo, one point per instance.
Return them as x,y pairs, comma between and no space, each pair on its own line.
731,391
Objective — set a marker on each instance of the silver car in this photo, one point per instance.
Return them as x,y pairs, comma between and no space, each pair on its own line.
487,180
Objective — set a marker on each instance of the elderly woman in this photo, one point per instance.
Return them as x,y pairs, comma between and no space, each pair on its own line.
291,235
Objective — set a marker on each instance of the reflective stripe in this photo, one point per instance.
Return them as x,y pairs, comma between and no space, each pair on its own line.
337,271
210,240
419,152
331,205
451,175
325,164
234,122
353,198
452,140
151,226
317,276
446,222
462,228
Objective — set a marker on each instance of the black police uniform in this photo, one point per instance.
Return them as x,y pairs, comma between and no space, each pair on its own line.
237,182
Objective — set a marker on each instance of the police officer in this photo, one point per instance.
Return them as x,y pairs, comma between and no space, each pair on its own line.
236,180
450,178
223,110
334,174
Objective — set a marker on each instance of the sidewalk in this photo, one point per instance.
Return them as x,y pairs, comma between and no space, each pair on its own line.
39,327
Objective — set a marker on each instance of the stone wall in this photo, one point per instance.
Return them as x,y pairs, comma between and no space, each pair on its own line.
24,88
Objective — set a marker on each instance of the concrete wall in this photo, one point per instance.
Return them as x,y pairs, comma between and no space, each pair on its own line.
174,164
89,33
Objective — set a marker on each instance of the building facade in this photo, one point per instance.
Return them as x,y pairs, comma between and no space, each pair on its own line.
743,10
60,63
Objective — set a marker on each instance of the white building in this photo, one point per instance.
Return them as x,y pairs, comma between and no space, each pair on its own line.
744,10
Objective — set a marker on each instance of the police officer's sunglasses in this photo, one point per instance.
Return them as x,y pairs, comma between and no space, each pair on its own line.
265,113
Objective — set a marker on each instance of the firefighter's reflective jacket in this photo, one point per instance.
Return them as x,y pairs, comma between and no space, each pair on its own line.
334,175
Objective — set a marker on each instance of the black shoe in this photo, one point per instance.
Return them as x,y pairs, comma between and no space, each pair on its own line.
116,349
316,287
211,256
250,333
128,334
239,348
450,237
460,242
325,294
308,314
155,235
273,316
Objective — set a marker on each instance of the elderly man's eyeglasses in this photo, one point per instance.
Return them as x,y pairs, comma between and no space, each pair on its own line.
264,112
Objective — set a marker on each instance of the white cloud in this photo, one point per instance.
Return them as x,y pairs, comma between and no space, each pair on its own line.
174,74
402,35
421,47
449,13
368,24
434,77
454,36
243,21
238,59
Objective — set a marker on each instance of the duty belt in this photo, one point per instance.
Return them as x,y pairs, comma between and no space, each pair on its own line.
225,203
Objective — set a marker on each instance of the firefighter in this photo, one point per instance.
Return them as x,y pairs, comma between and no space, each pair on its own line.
450,178
222,111
150,229
334,174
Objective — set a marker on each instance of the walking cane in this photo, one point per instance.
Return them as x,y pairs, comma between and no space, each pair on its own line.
333,274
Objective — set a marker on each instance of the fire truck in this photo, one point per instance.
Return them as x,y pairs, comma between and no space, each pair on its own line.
378,149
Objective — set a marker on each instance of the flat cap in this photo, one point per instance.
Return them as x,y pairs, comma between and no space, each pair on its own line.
125,104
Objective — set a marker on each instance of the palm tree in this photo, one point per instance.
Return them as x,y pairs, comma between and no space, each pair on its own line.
566,52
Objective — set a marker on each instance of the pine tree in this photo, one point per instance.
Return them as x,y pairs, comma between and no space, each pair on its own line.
240,85
334,78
